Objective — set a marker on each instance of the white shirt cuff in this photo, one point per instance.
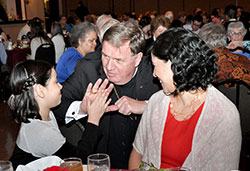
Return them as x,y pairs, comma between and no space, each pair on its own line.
73,112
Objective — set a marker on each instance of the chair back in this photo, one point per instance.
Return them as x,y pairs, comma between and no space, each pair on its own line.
238,92
46,52
72,132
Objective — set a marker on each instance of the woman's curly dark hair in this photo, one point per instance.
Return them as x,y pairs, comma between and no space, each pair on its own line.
23,77
193,62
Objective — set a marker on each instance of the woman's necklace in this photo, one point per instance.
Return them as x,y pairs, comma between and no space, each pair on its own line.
187,112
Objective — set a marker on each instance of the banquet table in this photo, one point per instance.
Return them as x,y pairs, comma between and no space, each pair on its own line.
16,55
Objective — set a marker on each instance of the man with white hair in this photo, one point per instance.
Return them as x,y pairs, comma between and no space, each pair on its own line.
102,19
106,26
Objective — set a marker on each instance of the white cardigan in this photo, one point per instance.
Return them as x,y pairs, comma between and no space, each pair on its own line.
217,137
40,138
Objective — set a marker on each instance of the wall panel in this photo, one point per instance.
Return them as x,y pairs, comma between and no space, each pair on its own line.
35,9
141,6
190,5
245,4
221,4
99,6
122,6
172,5
70,7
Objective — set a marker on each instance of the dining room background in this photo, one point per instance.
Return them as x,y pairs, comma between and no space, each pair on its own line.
27,9
22,10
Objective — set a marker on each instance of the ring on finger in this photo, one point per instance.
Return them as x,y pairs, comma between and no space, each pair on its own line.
93,91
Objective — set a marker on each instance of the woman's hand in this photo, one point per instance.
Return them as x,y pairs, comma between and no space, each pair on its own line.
235,44
97,107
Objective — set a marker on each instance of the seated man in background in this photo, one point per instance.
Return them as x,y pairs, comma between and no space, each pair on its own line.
196,24
157,26
122,64
231,65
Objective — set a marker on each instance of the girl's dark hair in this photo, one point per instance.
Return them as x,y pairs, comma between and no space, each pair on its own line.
23,77
37,30
193,62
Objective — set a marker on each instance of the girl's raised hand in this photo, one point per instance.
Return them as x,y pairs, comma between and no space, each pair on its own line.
91,92
97,107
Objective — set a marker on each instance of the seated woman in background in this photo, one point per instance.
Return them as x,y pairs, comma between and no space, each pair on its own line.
58,40
38,37
35,91
3,36
189,123
236,31
65,26
83,40
157,26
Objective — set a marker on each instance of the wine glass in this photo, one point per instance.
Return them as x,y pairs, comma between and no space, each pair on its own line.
98,162
6,166
178,169
72,164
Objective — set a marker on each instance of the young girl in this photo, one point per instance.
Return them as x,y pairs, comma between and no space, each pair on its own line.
35,91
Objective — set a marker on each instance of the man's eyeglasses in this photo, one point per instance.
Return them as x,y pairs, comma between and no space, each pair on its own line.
196,24
235,34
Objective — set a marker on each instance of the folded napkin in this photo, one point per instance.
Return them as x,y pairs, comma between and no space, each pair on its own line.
40,164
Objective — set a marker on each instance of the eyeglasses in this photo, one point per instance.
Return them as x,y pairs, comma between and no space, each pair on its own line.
235,33
197,25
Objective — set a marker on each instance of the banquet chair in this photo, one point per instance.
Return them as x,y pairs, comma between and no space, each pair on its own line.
46,52
238,92
72,132
4,75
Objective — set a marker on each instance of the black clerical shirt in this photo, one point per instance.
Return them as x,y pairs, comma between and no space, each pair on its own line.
122,128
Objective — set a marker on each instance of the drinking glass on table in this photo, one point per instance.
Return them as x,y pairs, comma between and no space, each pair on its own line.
178,169
72,163
98,162
6,166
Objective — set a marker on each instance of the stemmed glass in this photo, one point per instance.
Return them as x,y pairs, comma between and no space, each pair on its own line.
72,164
6,166
98,162
178,169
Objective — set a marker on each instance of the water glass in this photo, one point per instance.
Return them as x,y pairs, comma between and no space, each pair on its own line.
98,162
178,169
6,166
72,164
